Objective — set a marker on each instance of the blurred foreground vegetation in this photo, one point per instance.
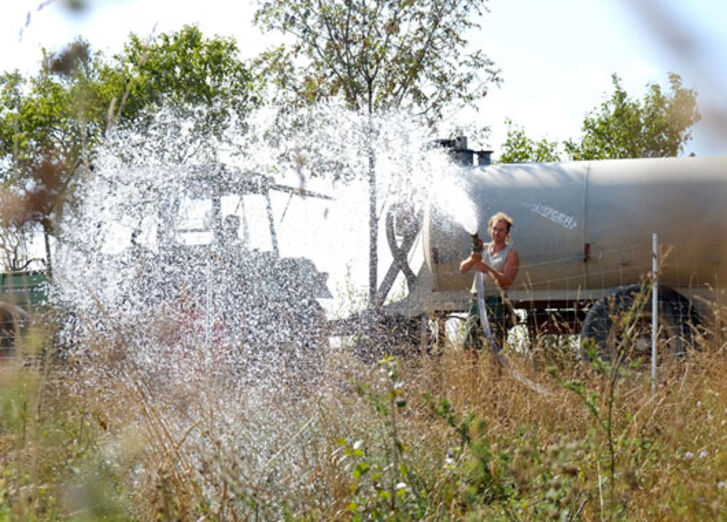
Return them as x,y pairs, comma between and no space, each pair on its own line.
443,437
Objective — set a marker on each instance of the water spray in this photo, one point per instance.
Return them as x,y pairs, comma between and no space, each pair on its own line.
477,248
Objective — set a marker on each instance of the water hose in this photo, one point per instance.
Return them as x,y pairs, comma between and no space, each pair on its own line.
477,248
482,308
496,348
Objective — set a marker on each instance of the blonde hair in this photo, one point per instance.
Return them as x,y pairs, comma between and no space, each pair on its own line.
501,216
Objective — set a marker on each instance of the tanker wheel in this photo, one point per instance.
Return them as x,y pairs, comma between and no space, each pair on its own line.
620,324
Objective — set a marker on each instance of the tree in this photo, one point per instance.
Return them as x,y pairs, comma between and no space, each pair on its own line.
518,148
47,125
51,123
377,55
658,126
183,71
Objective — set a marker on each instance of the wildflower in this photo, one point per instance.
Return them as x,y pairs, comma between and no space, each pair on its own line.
722,484
703,454
688,455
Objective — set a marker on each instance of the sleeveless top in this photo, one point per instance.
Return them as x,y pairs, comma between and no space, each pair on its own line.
494,260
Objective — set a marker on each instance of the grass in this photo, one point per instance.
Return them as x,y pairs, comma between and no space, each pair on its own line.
452,437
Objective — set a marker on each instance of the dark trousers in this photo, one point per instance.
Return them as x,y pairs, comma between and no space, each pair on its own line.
499,315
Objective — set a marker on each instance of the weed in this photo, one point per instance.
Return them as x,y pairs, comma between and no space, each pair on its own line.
101,436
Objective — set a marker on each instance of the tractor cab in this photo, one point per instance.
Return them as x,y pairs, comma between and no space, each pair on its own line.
207,254
226,213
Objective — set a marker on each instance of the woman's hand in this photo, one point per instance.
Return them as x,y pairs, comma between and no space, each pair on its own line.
471,262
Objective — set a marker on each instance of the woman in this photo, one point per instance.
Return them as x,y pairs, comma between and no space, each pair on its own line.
500,262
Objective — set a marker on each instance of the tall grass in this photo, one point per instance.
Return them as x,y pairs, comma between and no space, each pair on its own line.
435,438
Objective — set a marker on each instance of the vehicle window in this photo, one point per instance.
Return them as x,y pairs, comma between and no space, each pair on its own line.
254,232
194,222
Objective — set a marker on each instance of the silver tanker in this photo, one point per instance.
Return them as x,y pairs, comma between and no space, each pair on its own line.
583,231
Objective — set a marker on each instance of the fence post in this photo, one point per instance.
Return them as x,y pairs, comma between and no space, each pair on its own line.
208,308
654,306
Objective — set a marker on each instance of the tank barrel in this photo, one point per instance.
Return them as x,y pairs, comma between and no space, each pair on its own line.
584,227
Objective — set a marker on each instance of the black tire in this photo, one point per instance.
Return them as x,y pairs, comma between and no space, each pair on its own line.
677,318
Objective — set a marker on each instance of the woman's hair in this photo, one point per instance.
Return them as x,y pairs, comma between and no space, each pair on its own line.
501,216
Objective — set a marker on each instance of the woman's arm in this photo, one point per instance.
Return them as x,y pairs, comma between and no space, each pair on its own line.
471,262
505,278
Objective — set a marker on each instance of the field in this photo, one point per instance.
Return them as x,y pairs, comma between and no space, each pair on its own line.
450,436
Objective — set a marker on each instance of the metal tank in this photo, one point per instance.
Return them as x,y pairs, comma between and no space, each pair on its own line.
585,228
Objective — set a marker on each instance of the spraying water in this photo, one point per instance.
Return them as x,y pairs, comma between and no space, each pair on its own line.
182,260
452,199
179,254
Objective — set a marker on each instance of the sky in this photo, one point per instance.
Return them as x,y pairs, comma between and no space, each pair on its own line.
556,57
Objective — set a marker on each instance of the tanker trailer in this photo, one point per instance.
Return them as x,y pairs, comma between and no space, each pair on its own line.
583,231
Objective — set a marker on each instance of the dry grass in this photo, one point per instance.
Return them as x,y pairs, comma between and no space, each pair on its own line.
104,437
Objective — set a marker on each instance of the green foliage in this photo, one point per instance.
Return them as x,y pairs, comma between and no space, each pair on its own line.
378,54
518,148
51,123
54,116
383,487
182,71
481,476
550,480
60,114
609,423
50,466
72,449
658,126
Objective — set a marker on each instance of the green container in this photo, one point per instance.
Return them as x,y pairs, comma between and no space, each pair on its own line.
24,289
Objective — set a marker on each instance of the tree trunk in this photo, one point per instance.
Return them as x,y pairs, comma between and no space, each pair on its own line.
373,228
373,221
48,259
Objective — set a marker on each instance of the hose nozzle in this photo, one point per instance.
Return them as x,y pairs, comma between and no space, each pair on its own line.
476,244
